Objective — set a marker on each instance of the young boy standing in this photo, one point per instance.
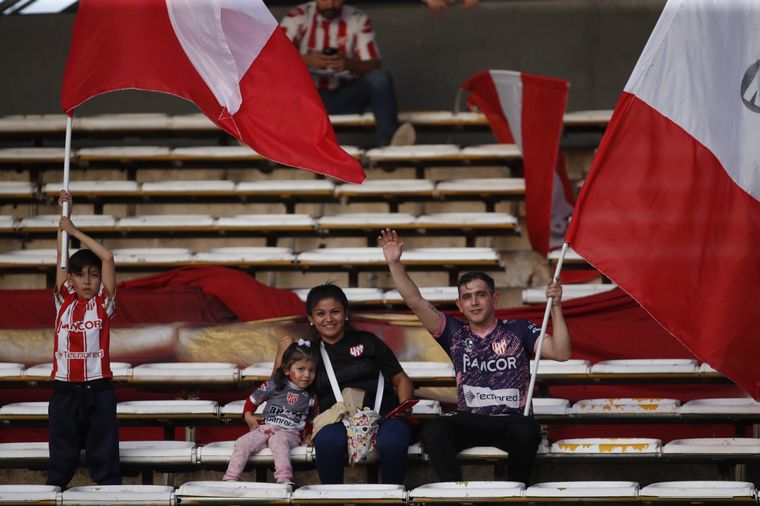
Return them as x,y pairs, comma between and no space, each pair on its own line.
82,411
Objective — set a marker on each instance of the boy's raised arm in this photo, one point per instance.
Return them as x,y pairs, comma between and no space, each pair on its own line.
108,269
425,311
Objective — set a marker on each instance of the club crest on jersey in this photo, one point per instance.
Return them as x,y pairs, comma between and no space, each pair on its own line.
292,398
356,351
468,345
499,347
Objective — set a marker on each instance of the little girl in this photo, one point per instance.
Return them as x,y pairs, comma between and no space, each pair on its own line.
290,407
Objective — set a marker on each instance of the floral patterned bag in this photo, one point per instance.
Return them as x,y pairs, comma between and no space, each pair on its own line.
362,432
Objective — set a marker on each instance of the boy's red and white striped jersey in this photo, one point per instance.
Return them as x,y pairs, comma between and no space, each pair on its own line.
82,336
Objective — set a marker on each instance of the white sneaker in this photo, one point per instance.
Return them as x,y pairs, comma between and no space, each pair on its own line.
405,135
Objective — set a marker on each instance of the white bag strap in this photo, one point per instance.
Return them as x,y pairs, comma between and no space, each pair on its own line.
334,380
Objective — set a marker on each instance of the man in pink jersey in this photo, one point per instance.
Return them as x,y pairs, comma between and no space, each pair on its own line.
492,364
337,43
82,411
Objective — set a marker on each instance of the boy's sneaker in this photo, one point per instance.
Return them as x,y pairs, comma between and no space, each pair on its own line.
405,135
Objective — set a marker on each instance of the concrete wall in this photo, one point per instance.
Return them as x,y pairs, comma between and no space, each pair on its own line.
592,43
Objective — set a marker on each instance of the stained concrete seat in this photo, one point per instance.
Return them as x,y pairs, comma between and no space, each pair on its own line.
124,153
415,153
435,294
17,190
607,446
25,411
266,222
587,118
492,151
468,220
123,122
31,155
11,370
713,446
232,492
249,256
157,453
549,406
286,188
204,373
49,222
584,489
8,223
167,409
569,292
466,492
387,188
722,406
354,295
646,366
118,494
422,371
165,222
352,120
220,452
715,491
33,123
216,153
442,118
29,258
366,220
39,372
261,371
29,494
189,122
506,187
24,455
152,256
570,367
341,256
622,406
95,189
189,188
353,493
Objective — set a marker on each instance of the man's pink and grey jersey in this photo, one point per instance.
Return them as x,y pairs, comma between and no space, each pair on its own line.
350,33
82,336
493,371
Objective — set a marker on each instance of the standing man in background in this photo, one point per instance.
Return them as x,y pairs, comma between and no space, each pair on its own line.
337,43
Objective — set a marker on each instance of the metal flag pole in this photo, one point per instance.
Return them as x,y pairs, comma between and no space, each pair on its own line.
544,324
65,210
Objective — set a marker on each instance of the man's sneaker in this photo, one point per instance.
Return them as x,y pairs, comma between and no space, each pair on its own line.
404,135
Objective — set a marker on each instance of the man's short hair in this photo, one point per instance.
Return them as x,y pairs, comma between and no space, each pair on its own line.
83,258
472,276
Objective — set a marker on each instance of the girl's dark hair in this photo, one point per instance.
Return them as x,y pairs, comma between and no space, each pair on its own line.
326,291
301,350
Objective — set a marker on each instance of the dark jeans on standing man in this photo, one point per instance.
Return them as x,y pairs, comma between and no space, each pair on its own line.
445,436
375,88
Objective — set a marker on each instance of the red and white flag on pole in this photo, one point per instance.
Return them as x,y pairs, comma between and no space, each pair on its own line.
528,110
671,208
228,57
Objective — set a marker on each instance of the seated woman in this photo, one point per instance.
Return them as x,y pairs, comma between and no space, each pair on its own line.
357,358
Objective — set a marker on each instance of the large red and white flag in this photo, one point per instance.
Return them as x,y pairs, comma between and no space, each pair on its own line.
671,208
228,57
528,110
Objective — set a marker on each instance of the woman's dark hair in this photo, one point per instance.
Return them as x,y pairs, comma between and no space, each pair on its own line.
326,291
301,350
